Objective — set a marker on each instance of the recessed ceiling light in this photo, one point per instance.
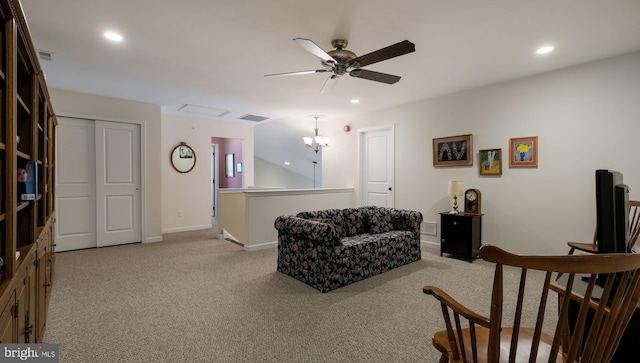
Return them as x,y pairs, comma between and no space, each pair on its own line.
355,100
287,163
544,50
113,36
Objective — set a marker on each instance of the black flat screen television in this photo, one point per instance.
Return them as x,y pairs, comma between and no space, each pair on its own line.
612,212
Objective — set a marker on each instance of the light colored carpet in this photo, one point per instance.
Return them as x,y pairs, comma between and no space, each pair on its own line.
192,298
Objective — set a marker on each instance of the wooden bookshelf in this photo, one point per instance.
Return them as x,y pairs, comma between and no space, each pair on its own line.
26,208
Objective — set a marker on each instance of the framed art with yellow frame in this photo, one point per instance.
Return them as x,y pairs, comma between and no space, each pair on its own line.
490,162
523,152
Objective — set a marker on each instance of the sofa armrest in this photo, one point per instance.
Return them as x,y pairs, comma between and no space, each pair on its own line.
313,233
406,220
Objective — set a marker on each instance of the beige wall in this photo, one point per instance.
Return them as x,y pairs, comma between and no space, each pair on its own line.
586,117
190,192
67,103
233,213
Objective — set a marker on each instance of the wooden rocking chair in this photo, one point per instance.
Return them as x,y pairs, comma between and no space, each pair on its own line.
482,339
634,232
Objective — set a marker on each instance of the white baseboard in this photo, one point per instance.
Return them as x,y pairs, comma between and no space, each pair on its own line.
261,246
429,244
228,236
186,229
153,239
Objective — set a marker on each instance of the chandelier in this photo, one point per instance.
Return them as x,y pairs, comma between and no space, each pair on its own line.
316,142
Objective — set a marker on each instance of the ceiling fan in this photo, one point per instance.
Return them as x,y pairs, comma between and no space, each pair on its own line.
341,61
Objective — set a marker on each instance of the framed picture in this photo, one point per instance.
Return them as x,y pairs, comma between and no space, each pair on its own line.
490,162
453,151
185,152
523,152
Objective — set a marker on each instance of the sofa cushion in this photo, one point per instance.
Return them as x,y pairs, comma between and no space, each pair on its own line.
324,220
359,239
333,215
380,220
356,221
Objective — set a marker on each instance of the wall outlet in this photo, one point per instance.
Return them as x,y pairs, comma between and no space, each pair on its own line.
180,213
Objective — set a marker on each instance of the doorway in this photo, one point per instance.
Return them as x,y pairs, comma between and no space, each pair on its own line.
214,185
230,162
376,157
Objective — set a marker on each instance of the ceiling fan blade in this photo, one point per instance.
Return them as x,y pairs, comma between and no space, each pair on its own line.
314,49
374,76
329,84
391,51
295,73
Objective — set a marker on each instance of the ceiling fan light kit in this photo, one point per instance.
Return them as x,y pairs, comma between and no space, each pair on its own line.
341,61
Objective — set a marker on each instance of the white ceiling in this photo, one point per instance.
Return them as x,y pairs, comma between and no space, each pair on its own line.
214,53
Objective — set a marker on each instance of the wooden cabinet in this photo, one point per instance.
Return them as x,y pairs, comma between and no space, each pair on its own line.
461,235
27,124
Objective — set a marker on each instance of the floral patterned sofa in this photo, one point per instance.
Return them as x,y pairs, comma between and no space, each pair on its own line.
331,248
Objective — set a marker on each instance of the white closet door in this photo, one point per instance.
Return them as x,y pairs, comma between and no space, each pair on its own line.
98,198
75,185
117,183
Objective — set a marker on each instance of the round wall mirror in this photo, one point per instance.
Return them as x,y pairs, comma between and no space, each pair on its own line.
183,158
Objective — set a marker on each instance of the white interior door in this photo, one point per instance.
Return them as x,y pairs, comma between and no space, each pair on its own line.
75,185
118,209
377,166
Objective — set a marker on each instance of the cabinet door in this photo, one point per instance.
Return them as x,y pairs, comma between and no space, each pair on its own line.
41,293
26,306
51,258
7,323
32,293
455,235
21,312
